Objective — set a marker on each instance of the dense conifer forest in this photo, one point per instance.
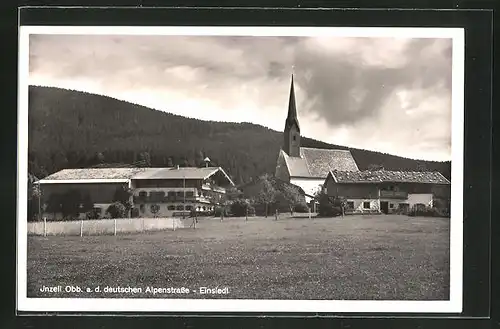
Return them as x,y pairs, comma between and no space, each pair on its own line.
71,129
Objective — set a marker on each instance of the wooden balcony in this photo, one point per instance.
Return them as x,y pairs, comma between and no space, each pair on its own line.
207,187
393,194
167,199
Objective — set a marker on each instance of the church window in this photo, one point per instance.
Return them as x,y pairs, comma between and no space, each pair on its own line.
294,137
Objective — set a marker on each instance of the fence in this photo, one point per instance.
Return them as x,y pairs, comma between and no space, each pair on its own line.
103,226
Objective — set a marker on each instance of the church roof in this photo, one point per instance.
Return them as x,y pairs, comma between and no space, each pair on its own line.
317,163
387,176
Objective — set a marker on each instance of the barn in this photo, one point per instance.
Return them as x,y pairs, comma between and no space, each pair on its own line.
171,190
386,191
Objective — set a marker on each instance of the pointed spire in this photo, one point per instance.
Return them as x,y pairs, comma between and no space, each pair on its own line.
292,108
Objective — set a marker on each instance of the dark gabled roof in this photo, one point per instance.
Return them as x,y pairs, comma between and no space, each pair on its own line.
388,176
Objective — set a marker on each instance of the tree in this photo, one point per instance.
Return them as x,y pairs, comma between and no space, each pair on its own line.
242,207
326,207
268,193
116,210
99,157
170,162
123,195
340,202
292,196
199,159
421,166
34,196
145,159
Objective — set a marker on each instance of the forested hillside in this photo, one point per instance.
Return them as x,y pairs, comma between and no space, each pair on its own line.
70,129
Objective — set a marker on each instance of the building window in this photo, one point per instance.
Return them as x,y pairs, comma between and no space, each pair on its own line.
190,194
294,138
391,205
156,196
366,205
171,207
350,205
142,208
179,207
143,194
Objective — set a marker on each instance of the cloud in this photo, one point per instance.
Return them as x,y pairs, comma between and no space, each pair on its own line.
390,95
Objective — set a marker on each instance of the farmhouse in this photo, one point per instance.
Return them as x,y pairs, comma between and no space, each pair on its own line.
172,190
315,169
387,191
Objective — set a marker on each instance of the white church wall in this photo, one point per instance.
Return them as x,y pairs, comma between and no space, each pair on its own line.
310,185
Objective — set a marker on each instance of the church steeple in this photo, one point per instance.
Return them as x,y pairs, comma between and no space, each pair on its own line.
291,133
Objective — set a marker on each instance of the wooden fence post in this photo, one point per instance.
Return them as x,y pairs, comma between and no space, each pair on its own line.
81,228
45,226
114,227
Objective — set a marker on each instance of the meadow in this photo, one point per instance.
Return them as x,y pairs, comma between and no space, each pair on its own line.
378,257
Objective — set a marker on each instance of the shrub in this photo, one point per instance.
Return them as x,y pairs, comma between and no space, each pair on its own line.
134,213
327,208
240,207
418,210
93,214
218,211
302,207
117,210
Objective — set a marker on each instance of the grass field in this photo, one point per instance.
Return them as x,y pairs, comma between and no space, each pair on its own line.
382,257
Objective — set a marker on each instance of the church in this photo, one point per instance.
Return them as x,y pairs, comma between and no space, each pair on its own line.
336,173
303,166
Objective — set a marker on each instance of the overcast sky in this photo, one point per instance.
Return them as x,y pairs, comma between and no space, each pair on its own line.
383,94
